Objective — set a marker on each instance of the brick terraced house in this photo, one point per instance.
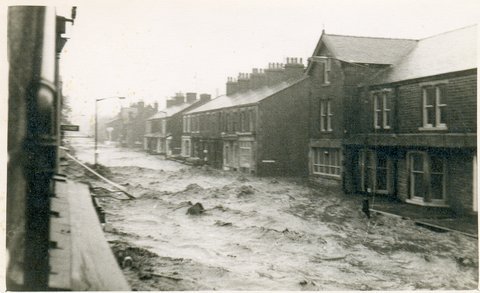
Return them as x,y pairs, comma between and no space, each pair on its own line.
164,128
338,65
260,126
412,126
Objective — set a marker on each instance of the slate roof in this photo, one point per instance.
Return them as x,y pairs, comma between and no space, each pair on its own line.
244,98
170,111
443,53
367,49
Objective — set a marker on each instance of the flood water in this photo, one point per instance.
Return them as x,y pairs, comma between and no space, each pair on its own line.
268,233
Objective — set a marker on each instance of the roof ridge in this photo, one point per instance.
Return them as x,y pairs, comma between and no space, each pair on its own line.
449,31
366,37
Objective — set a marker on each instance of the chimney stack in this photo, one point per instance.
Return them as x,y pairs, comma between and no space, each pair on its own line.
275,73
294,68
232,86
205,97
179,99
171,102
257,78
243,82
191,97
155,106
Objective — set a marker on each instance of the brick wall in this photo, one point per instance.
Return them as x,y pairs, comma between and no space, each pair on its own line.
459,176
332,91
461,103
459,182
283,132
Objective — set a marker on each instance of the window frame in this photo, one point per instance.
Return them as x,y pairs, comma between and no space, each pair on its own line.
427,199
326,115
439,102
381,99
327,68
368,164
323,165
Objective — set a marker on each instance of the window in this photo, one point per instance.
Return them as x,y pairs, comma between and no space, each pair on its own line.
164,126
245,153
228,123
326,161
434,106
326,67
184,124
186,148
235,120
375,169
427,177
252,120
326,115
382,108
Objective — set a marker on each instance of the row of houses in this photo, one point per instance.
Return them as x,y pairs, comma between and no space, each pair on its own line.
386,116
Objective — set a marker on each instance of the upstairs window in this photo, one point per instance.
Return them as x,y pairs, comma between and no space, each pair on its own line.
164,126
252,120
434,106
326,115
326,68
382,109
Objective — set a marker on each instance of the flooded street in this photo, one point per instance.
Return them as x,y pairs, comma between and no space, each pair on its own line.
264,233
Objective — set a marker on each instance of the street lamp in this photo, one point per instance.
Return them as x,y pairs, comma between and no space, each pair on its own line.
96,123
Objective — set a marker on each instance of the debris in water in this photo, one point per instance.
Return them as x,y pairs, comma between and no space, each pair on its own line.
127,262
196,209
245,190
242,179
221,223
465,262
194,187
220,207
144,276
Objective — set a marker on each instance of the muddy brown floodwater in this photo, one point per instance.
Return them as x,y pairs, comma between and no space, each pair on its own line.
264,234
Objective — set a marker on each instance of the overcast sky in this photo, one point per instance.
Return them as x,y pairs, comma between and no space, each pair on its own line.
152,49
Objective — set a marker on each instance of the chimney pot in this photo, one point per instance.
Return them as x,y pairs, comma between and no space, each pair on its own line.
191,97
205,97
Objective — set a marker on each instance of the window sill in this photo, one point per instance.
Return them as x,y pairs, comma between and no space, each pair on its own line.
382,129
328,176
440,128
326,131
438,204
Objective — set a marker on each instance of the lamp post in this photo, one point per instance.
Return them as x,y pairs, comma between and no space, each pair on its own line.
96,124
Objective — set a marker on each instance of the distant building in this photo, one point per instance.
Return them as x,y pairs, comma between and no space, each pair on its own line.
128,127
260,125
164,129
